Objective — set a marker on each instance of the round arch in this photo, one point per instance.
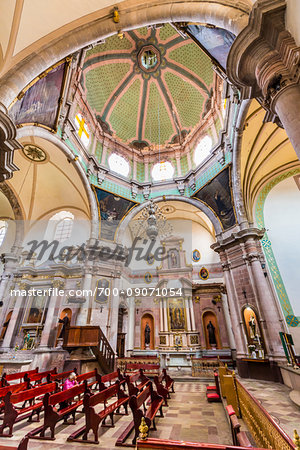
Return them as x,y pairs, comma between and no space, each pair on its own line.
197,203
42,133
18,213
70,38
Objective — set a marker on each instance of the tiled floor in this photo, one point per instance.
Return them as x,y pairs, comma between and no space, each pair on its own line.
188,417
274,397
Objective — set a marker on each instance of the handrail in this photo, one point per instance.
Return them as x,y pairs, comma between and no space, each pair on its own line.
261,428
161,444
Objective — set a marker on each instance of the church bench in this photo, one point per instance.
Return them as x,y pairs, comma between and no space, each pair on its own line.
52,415
239,437
149,369
110,378
136,402
38,377
22,445
93,418
216,387
16,376
169,382
14,414
166,444
164,390
132,382
84,377
60,377
14,388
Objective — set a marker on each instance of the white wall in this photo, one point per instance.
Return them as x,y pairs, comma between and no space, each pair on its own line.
293,19
282,221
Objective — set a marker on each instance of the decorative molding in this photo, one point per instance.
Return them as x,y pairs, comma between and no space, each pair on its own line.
8,144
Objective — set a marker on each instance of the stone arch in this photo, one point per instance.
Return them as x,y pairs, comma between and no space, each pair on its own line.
41,132
197,203
100,25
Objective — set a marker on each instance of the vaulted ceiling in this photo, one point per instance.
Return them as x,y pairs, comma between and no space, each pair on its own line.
152,87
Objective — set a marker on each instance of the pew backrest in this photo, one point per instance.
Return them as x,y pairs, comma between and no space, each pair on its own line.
30,393
87,376
16,376
14,388
38,376
68,394
102,397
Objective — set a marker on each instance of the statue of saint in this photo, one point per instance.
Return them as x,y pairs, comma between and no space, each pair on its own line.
147,334
66,322
252,327
211,333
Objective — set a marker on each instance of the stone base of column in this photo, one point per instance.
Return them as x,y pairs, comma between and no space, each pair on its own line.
259,369
47,359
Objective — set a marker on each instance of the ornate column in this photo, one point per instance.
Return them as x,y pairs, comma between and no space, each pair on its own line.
20,301
82,317
227,320
240,255
165,315
161,316
193,324
131,324
187,310
264,62
8,144
51,320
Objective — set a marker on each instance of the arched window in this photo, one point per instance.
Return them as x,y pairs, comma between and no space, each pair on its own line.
118,164
64,224
3,230
202,150
82,129
162,171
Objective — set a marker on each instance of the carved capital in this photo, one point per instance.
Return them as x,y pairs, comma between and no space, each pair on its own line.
264,57
251,257
226,266
8,144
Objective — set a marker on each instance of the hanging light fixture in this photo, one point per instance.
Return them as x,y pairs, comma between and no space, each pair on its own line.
151,223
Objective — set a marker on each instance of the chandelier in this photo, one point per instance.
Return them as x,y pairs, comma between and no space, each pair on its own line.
151,223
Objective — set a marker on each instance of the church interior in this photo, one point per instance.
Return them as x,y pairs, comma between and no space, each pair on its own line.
149,224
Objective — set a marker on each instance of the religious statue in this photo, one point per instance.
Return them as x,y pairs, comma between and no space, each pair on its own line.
147,334
66,322
252,327
26,341
211,333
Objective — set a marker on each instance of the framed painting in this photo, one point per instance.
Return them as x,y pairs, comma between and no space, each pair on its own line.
39,104
112,209
177,318
103,291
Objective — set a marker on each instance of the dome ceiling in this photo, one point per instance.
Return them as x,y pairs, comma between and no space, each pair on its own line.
150,87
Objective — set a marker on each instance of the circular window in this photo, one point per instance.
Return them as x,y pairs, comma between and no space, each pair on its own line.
162,171
118,164
202,150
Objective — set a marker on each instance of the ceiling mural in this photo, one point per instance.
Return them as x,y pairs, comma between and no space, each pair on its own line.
152,87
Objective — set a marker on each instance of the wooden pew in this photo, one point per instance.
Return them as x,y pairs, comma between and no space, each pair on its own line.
13,414
52,415
164,389
110,378
84,377
14,388
135,403
131,380
239,437
15,376
149,369
93,419
164,444
169,382
37,378
212,394
60,377
22,445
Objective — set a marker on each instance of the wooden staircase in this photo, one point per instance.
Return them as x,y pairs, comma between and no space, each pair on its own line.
93,337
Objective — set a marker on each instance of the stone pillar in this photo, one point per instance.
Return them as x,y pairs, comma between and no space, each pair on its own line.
82,317
161,316
187,311
131,324
228,321
165,315
51,321
261,65
193,324
268,308
11,329
240,255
